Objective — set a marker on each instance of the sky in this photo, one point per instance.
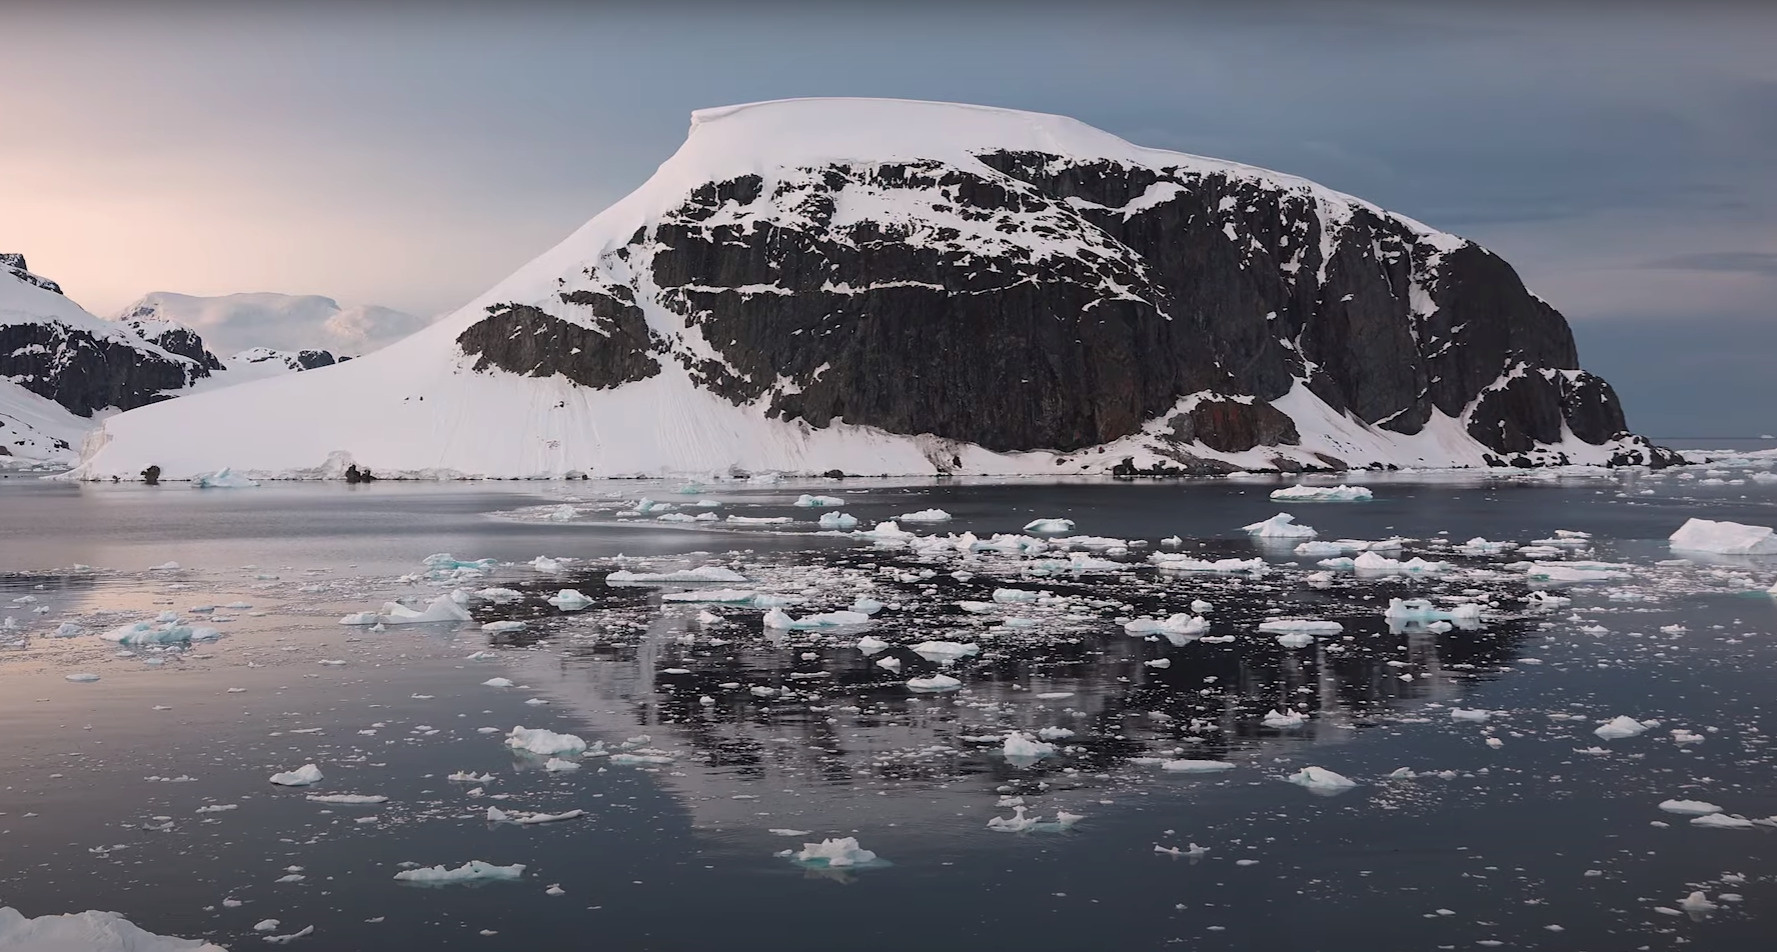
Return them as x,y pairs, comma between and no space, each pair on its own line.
1619,155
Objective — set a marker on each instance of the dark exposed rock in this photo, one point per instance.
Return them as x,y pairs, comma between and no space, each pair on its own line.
15,263
616,349
85,372
174,339
151,475
1230,426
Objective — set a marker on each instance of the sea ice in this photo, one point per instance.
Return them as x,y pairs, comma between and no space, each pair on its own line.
1306,626
780,619
1167,562
1049,525
497,815
945,652
707,573
348,799
1323,494
1281,526
721,596
300,777
1195,766
149,633
1689,807
1724,538
869,645
442,609
1722,821
1019,746
809,502
473,871
1284,720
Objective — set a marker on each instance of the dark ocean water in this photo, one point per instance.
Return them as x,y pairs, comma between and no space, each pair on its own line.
1551,838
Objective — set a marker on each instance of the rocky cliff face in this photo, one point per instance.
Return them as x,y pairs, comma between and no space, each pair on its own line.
1028,299
55,349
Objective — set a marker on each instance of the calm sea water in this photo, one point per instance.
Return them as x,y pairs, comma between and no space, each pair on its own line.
1549,837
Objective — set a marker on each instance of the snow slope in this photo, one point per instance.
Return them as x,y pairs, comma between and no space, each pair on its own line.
35,428
418,407
288,322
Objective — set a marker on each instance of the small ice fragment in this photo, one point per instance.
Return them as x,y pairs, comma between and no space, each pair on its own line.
937,682
1281,526
300,777
473,871
1689,807
1049,525
1620,727
1321,780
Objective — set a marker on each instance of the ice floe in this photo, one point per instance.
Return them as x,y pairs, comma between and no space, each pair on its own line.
1323,494
471,872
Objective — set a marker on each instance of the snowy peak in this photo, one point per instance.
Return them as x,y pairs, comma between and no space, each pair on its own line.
14,263
891,287
286,322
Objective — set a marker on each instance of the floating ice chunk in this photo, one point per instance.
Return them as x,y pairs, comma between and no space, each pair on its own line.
1481,547
1195,766
1020,747
1306,626
544,563
300,777
891,664
1049,525
1620,727
1016,823
707,573
1177,624
497,815
1284,720
843,853
1405,612
1014,596
869,645
1724,538
720,596
1722,821
442,609
544,742
1321,780
1168,562
866,606
348,799
169,633
924,515
634,760
1281,526
90,931
1467,714
81,677
499,627
646,506
497,683
1295,640
1323,494
361,618
1697,904
558,765
1312,549
933,684
469,776
562,513
473,871
887,532
569,600
223,478
1574,571
838,520
1369,563
1689,807
780,619
810,502
946,652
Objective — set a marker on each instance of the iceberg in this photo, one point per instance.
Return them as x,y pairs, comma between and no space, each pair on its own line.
946,652
300,777
1023,748
1322,494
1620,727
780,619
1281,526
148,633
544,742
1049,525
933,684
442,609
1321,780
1724,538
843,853
870,645
811,502
90,931
474,871
924,515
569,600
1403,613
223,478
707,573
838,520
1284,720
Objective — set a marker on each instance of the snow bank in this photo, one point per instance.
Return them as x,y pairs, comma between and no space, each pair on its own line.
1724,538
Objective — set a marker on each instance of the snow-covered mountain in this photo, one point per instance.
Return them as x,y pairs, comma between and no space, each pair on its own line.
59,365
893,287
284,322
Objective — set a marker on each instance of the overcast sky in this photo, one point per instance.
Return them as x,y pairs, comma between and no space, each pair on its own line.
1623,157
